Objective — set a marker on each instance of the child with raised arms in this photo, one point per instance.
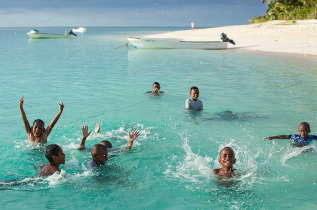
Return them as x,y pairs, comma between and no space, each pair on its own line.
84,130
99,152
37,133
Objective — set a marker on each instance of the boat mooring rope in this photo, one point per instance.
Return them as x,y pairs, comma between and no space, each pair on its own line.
126,44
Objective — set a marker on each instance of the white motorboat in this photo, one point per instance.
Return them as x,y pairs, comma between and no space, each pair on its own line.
79,30
156,43
35,34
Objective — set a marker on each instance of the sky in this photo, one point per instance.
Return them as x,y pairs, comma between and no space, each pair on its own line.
99,13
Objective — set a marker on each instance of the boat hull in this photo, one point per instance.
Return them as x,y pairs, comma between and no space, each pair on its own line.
148,43
79,30
48,36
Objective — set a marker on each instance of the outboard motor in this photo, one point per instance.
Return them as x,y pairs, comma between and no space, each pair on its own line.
71,33
224,38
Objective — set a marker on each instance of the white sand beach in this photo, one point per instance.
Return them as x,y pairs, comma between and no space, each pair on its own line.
281,37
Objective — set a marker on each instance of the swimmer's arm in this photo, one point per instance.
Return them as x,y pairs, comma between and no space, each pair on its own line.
187,106
84,135
54,121
277,137
132,137
25,120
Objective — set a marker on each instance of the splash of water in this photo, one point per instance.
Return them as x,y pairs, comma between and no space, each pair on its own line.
295,151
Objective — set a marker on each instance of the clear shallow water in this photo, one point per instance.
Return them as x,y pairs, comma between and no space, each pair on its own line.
170,165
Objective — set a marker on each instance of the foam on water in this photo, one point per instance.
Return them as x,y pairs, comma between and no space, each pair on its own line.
295,151
192,167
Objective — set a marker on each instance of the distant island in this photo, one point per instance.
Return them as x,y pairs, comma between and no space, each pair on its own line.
288,10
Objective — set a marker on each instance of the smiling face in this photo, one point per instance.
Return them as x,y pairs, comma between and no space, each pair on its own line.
194,93
37,129
304,130
227,158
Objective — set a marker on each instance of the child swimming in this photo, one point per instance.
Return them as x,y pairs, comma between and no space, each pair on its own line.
85,134
99,154
193,102
56,157
37,133
156,89
132,136
227,160
300,139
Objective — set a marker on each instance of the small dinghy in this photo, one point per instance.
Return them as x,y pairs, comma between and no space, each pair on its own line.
35,34
159,43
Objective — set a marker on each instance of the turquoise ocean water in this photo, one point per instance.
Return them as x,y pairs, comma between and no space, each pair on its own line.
170,165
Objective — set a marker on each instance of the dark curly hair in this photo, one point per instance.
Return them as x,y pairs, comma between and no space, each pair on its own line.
51,150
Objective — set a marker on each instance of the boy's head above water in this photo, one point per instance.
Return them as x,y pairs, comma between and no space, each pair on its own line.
156,87
38,128
55,154
227,160
106,143
227,157
99,154
304,129
194,93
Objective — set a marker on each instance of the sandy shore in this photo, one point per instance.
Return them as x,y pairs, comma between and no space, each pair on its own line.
283,37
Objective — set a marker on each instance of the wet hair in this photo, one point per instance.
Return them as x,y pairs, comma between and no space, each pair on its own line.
51,150
109,145
156,83
193,88
40,121
226,148
306,124
97,148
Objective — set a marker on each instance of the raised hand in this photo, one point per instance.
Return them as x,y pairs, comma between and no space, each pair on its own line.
21,101
61,106
134,135
97,128
84,131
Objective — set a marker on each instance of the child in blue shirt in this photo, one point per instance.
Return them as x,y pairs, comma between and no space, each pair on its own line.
302,138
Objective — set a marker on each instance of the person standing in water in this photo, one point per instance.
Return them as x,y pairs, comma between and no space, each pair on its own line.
193,102
37,133
155,89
